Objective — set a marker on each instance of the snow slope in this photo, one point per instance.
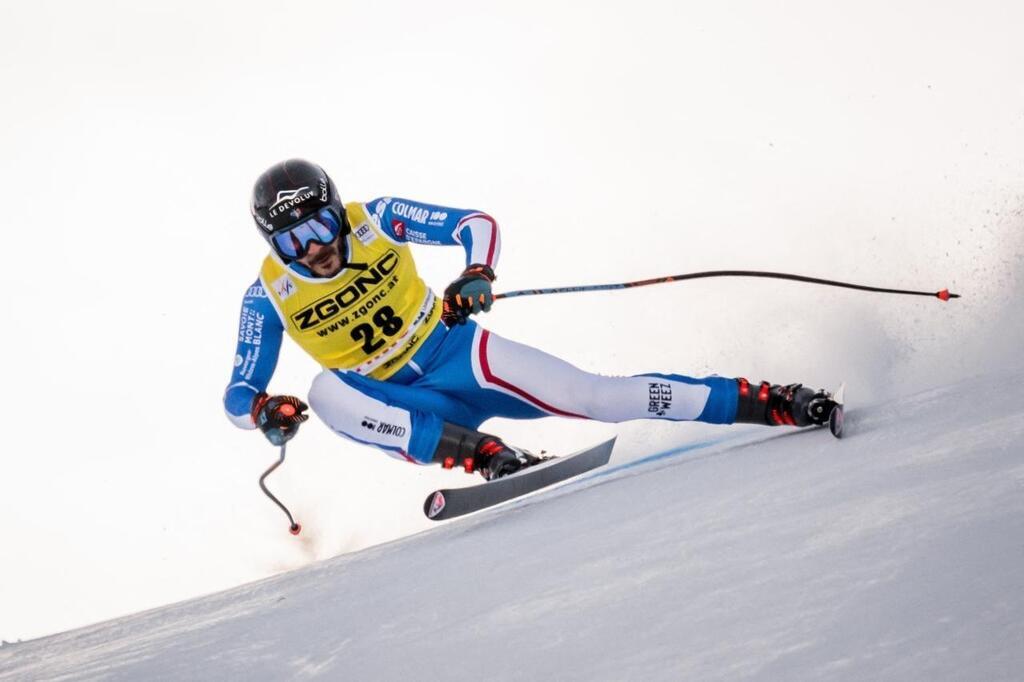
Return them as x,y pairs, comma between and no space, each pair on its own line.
896,553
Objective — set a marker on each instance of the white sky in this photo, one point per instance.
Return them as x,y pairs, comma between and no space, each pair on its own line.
611,141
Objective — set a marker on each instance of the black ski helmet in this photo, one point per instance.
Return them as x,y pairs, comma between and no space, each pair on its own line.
288,193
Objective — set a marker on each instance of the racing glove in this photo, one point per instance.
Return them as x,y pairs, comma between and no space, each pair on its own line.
468,295
279,416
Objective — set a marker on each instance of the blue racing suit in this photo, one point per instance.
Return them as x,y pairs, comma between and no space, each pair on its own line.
463,375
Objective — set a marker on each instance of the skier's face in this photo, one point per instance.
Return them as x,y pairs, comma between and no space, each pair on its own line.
323,260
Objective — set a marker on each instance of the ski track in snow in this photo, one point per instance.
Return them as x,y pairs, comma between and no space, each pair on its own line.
895,553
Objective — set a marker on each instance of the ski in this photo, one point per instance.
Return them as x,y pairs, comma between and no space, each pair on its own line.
449,503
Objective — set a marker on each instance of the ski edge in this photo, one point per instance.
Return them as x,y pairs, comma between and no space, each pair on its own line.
836,417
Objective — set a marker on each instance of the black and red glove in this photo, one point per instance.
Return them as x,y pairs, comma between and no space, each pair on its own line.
279,416
468,295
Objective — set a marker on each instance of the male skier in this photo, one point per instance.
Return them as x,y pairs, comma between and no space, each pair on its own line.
408,371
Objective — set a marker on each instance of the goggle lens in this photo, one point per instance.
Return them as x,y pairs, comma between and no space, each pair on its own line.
323,228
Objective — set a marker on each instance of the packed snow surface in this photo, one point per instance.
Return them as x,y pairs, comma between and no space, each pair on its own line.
895,553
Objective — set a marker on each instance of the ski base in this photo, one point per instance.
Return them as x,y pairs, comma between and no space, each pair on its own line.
453,502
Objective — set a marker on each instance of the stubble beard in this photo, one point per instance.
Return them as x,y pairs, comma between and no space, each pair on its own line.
328,262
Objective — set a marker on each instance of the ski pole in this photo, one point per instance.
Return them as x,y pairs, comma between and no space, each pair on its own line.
295,528
943,295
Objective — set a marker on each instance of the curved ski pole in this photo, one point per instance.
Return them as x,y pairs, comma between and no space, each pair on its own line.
942,295
294,528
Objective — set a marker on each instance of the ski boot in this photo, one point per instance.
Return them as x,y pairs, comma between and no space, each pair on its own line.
496,459
481,452
775,405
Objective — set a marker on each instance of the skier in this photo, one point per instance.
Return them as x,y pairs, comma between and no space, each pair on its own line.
408,371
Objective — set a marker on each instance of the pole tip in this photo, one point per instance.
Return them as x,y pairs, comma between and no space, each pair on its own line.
295,529
945,295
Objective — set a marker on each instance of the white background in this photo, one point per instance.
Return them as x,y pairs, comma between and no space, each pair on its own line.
873,142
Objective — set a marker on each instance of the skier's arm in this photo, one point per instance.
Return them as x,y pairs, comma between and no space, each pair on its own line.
259,343
420,223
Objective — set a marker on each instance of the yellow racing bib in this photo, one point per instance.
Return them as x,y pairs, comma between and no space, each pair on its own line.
371,317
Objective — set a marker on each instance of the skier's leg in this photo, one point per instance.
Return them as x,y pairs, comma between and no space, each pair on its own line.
545,385
556,387
411,423
521,382
404,421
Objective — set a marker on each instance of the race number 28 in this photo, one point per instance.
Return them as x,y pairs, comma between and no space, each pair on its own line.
386,322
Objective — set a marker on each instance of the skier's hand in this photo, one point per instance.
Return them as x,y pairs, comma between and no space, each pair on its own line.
468,295
279,416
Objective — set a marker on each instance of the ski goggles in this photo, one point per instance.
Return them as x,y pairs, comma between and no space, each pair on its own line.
322,228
